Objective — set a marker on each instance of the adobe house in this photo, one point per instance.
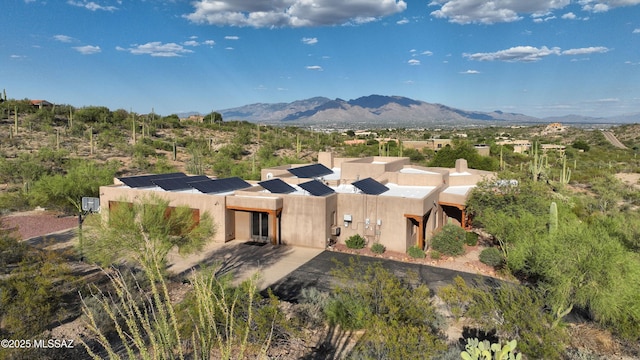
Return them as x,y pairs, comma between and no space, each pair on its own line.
384,199
40,104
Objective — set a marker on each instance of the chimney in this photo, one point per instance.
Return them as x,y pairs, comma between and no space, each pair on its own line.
326,158
461,165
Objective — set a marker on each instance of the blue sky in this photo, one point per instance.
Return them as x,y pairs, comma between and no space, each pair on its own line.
541,58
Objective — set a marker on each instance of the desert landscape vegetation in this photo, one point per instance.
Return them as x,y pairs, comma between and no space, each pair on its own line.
563,245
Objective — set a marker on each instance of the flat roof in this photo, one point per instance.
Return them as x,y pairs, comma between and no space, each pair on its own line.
414,192
395,190
458,190
417,171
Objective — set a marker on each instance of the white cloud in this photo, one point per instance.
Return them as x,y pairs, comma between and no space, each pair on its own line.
14,56
514,54
230,37
413,62
291,13
531,54
191,43
470,72
489,12
309,41
498,11
229,48
427,53
63,38
157,49
402,22
605,5
585,51
636,31
88,49
314,67
91,5
209,42
569,16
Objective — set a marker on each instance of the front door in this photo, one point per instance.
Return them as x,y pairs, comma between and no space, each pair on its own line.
259,226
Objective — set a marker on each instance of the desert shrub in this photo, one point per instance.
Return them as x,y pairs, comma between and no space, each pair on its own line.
416,253
471,238
347,311
491,256
450,240
356,242
435,254
378,248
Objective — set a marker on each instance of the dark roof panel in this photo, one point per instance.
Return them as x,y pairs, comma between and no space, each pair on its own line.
317,188
220,185
370,186
179,183
310,171
277,186
147,180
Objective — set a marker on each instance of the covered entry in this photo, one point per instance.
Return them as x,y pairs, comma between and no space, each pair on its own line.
417,229
256,218
456,212
259,226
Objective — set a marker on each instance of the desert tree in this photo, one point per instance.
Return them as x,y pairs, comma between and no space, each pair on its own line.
146,231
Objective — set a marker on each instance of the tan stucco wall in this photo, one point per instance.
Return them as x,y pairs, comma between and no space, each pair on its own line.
214,205
390,211
306,220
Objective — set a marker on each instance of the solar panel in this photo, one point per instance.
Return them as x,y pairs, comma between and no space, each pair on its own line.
277,186
147,180
370,186
316,188
220,185
179,183
310,171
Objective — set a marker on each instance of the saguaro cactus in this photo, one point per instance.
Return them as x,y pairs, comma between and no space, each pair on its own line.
537,165
553,217
565,176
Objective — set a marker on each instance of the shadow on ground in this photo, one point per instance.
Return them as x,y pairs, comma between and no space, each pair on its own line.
238,258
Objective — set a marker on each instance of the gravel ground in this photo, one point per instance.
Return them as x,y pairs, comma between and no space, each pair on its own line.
38,223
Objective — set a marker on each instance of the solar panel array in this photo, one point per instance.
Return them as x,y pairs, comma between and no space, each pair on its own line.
370,187
220,185
317,188
179,183
277,186
147,180
310,171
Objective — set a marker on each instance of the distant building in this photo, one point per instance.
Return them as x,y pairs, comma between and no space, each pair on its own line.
41,104
519,146
194,118
355,142
437,144
431,144
384,199
554,128
555,147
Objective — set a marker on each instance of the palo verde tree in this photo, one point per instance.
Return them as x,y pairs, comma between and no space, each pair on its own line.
145,232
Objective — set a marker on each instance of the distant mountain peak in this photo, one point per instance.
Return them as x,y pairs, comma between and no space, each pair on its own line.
373,111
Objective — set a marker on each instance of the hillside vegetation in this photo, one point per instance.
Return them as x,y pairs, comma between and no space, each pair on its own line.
567,235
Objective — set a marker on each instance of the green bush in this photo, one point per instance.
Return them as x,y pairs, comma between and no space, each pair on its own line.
471,239
435,254
491,256
356,242
378,248
450,240
416,253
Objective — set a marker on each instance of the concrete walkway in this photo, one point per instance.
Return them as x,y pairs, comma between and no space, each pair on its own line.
243,259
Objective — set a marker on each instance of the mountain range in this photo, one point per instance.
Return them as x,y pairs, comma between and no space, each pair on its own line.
380,110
